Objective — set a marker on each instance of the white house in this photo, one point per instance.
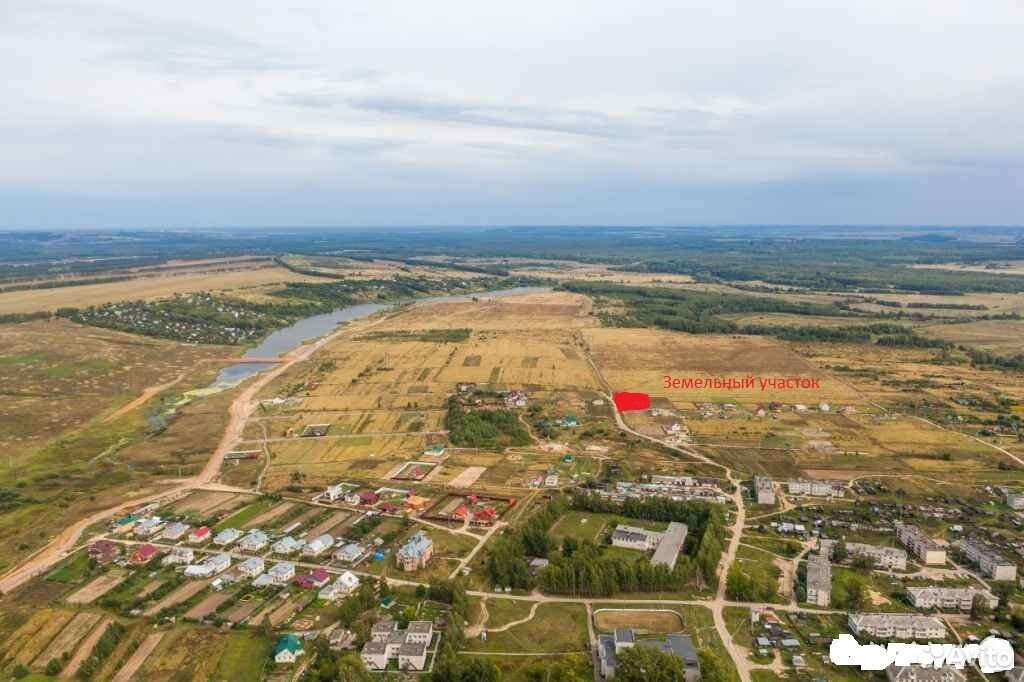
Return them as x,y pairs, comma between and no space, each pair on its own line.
175,531
227,536
344,585
350,553
179,555
287,545
254,541
318,545
252,567
282,573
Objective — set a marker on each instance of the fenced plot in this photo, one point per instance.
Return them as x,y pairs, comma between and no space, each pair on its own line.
182,594
467,477
132,665
207,606
97,587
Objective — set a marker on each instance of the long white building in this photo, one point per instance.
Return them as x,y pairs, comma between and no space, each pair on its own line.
904,627
892,558
949,598
991,563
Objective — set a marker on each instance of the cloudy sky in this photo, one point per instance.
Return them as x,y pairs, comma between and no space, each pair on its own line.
160,113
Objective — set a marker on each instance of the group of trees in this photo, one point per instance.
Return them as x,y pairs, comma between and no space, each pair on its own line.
581,569
483,428
705,523
507,563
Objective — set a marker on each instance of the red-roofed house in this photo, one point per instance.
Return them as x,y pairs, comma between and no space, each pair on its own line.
369,498
143,555
315,580
104,551
199,535
485,517
462,513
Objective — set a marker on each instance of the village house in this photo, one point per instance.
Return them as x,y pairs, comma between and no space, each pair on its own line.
175,531
335,492
344,585
350,553
318,545
199,536
287,545
892,558
143,555
125,524
179,555
288,650
227,537
515,399
314,580
923,547
148,527
104,552
415,553
252,567
434,451
282,573
212,565
254,541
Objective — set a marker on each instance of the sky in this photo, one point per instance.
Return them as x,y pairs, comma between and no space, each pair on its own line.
376,113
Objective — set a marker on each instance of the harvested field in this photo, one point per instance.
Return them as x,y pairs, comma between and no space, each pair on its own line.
149,588
181,594
97,587
68,639
639,359
207,606
467,477
269,515
25,632
132,665
84,649
650,622
144,288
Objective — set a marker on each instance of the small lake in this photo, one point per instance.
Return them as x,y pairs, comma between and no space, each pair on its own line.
307,329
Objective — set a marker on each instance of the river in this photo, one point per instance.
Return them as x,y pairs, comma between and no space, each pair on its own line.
310,328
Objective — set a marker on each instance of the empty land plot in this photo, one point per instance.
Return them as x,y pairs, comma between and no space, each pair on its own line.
553,310
997,336
555,628
518,358
181,594
467,477
201,502
242,611
652,621
269,515
207,606
639,360
38,641
98,587
286,610
332,520
26,631
85,648
132,665
68,638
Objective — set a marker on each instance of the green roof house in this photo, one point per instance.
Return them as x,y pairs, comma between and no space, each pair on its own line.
288,650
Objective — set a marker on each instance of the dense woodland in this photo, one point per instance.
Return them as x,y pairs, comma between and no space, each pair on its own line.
485,428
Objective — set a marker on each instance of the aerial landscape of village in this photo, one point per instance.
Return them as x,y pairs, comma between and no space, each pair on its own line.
423,459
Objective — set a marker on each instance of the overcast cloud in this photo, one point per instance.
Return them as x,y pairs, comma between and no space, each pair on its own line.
183,113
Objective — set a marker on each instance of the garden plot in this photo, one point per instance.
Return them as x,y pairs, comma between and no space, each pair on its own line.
68,639
98,587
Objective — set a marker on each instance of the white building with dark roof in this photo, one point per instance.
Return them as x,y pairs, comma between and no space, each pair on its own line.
991,563
892,558
920,544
